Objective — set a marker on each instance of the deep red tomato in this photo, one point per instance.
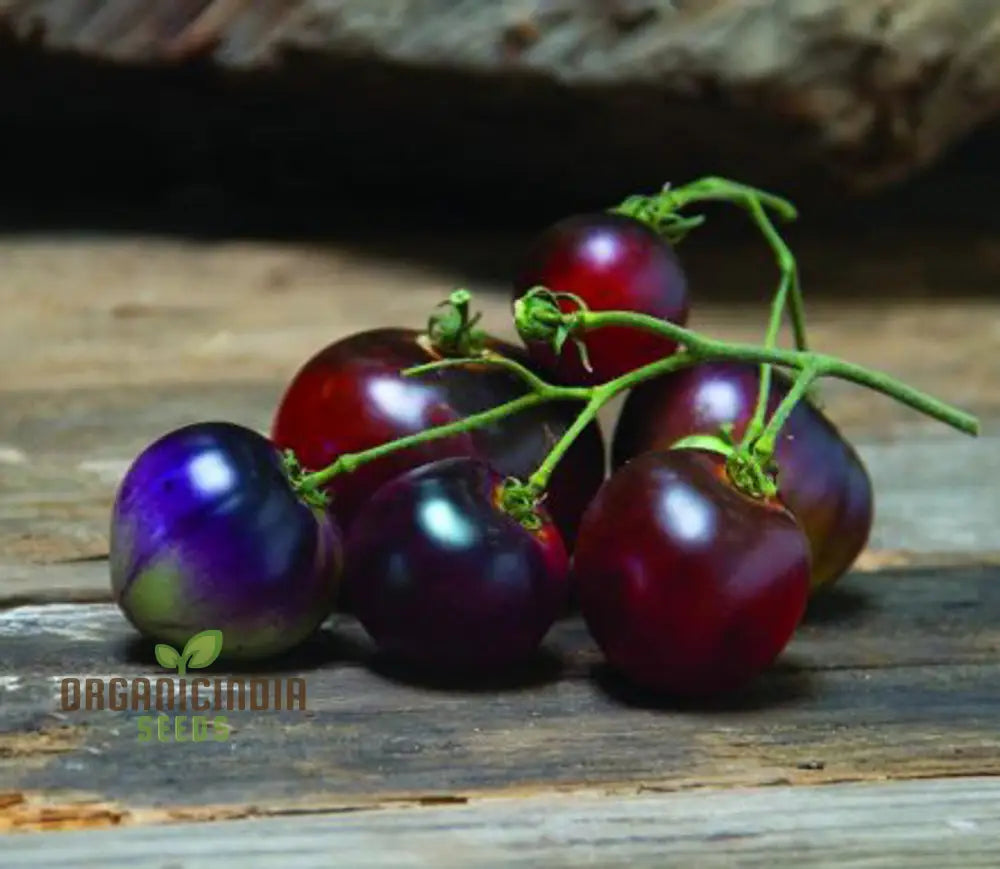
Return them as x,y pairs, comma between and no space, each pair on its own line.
612,262
688,586
821,478
351,396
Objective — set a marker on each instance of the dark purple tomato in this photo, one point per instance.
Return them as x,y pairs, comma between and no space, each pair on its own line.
613,263
351,396
689,587
444,580
207,533
821,478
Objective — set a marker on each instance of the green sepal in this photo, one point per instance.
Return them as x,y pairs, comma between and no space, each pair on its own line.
710,443
452,331
581,348
520,501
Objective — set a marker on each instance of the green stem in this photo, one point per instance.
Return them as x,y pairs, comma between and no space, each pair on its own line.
488,357
788,286
600,396
661,210
703,348
763,446
756,424
700,348
696,348
539,480
661,213
350,461
789,292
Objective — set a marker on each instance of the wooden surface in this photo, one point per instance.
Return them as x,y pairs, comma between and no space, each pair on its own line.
895,676
931,825
891,685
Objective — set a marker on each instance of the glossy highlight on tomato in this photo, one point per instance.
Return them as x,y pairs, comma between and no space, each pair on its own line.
352,396
821,477
207,533
611,262
444,580
690,587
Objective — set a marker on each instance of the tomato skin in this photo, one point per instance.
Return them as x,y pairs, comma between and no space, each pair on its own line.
690,587
351,396
207,533
613,263
445,581
821,477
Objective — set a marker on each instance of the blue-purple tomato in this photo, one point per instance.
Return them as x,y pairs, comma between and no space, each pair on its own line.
444,580
207,532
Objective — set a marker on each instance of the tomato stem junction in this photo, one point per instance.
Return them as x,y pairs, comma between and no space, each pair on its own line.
538,313
661,213
452,331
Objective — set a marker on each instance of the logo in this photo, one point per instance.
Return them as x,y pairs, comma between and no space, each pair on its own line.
199,652
167,696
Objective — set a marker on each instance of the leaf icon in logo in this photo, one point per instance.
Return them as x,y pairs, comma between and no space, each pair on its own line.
202,649
167,656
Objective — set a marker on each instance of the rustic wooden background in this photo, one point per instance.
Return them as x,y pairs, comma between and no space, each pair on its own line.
871,742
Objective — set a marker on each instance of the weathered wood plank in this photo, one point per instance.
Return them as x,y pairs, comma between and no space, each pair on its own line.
894,676
83,581
106,311
935,495
67,452
63,454
105,343
933,824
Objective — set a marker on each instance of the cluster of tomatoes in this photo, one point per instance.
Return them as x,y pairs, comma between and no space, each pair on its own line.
688,584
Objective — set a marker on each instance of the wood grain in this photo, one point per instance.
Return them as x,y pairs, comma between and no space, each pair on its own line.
894,676
936,825
935,499
104,346
108,342
82,581
113,312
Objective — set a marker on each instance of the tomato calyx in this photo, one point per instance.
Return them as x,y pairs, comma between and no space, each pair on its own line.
539,317
748,475
660,213
452,331
520,501
314,497
751,470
